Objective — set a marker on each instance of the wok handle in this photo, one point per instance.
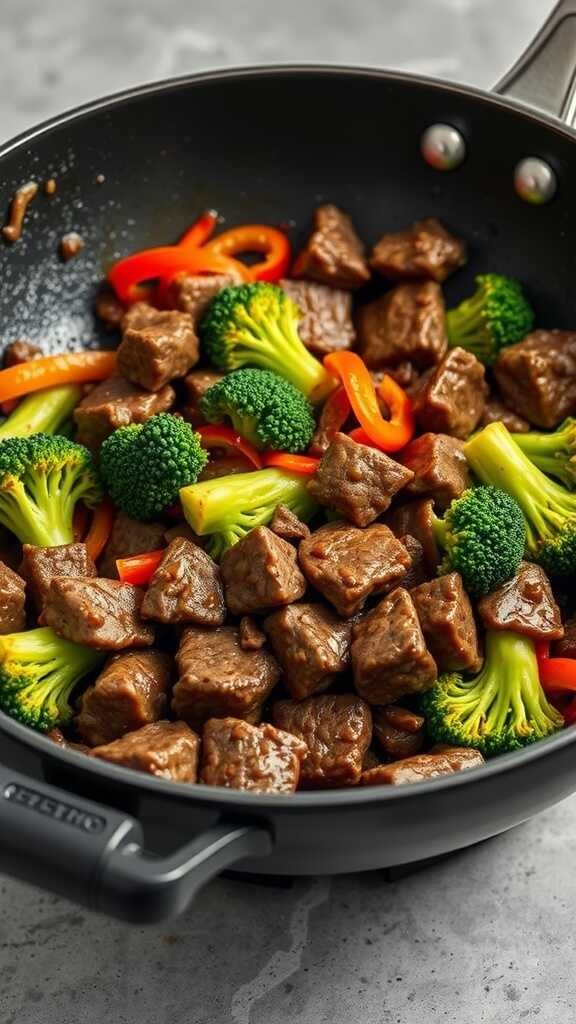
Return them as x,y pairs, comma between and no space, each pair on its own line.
94,855
545,75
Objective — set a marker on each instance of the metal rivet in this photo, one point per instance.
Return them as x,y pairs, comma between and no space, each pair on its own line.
535,181
443,147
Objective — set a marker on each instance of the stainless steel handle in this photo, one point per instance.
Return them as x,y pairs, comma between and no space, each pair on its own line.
545,75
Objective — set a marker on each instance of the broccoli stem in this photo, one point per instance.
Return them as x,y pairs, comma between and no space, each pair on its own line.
42,412
278,344
553,453
466,320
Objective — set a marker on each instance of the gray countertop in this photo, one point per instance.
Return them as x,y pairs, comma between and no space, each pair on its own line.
485,937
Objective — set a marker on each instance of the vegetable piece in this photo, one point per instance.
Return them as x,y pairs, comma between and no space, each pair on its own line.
200,231
388,435
500,709
257,325
48,371
42,477
557,675
228,507
553,453
304,464
38,671
221,436
496,315
483,534
144,465
264,408
549,509
139,569
42,412
255,238
100,529
127,276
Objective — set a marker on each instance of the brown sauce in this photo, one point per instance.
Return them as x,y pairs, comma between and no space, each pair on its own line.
22,198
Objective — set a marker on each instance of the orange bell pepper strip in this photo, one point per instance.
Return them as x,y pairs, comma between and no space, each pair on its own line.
200,231
557,675
100,529
218,435
139,569
304,464
255,238
388,435
46,372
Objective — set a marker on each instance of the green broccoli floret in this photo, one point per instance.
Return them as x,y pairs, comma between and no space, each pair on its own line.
257,325
144,465
264,408
42,412
548,508
483,536
38,671
41,479
228,507
500,709
554,453
496,315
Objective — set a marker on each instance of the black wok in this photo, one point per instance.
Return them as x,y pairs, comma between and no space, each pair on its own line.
266,144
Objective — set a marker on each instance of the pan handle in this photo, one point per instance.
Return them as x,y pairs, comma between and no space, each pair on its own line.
545,75
94,855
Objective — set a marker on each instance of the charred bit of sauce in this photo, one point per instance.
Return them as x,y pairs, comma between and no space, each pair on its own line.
50,187
71,244
18,207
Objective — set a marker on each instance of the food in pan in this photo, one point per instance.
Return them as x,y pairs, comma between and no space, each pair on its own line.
292,534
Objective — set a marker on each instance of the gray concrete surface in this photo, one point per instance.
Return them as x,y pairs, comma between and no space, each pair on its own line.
483,938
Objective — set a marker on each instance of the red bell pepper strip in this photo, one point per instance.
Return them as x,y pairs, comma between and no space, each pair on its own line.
388,435
305,464
217,435
259,238
201,230
557,675
139,569
127,276
100,529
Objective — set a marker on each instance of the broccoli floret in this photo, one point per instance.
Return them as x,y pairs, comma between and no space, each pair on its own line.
42,412
548,508
483,535
500,709
257,325
496,315
144,465
228,507
38,671
264,408
41,479
554,453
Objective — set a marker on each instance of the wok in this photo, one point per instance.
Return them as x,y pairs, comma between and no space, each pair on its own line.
266,144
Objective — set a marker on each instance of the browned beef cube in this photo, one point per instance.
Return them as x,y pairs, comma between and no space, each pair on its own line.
390,659
496,412
251,636
40,566
196,385
405,374
348,565
21,352
451,398
390,730
193,293
328,424
12,601
357,481
312,645
537,376
417,572
129,537
336,728
333,254
261,572
447,621
439,466
238,755
423,766
116,403
181,530
286,524
426,249
416,519
58,737
525,604
326,324
156,346
408,323
186,587
131,691
168,750
109,309
97,613
566,647
216,677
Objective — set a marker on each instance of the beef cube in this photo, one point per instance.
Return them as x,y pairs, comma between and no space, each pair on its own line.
58,737
372,758
417,572
181,530
451,398
312,645
216,677
116,403
238,755
286,524
537,377
566,647
447,621
333,418
129,537
261,572
408,323
193,294
109,309
389,656
20,351
251,636
439,467
357,481
525,604
496,412
12,601
130,692
390,730
97,613
423,766
326,324
426,249
196,384
416,519
168,750
186,587
333,255
156,346
40,566
336,728
348,565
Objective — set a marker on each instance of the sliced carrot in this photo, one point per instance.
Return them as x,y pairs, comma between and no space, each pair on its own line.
46,372
100,528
